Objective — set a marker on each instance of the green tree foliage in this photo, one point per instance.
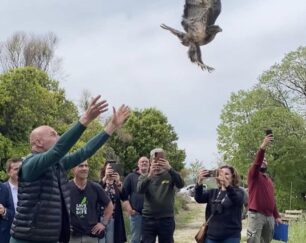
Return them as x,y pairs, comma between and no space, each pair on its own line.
29,98
286,81
194,169
236,114
145,130
248,113
239,140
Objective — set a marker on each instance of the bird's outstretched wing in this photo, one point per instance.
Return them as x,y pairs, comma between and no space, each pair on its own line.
213,11
194,11
177,33
204,12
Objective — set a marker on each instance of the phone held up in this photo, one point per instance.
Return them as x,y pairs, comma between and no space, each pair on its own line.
268,131
117,168
212,173
158,155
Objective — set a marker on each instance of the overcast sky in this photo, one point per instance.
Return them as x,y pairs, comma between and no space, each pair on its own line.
117,49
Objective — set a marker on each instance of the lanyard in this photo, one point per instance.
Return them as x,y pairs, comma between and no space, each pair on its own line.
218,195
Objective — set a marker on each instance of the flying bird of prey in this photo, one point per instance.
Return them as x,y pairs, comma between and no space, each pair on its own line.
199,24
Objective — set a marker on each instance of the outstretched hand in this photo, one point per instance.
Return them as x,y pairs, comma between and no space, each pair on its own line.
95,108
118,118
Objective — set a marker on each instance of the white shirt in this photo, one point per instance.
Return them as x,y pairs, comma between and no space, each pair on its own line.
14,190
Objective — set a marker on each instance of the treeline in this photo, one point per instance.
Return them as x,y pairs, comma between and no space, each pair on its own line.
278,101
30,97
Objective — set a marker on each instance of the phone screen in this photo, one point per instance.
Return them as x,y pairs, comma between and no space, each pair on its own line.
117,168
159,155
212,173
268,131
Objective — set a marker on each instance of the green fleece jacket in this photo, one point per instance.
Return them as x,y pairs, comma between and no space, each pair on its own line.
159,192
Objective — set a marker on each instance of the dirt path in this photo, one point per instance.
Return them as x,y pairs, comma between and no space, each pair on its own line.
185,231
188,224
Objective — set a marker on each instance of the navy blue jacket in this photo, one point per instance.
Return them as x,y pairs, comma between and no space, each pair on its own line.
10,195
6,221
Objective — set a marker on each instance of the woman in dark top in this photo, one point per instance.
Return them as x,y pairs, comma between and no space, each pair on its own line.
110,181
224,205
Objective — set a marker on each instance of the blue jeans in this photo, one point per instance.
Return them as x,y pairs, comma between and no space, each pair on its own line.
228,240
109,232
162,228
135,226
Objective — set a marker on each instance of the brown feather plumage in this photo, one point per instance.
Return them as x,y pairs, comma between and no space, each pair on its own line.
198,21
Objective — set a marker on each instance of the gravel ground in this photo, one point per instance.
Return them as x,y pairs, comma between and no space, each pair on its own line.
185,232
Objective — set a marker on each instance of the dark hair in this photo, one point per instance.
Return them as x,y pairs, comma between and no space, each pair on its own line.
235,175
12,161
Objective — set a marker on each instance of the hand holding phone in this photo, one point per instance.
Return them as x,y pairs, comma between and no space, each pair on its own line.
203,174
212,173
158,155
267,139
117,169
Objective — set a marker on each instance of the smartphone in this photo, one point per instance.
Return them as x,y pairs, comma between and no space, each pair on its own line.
116,167
158,155
269,131
212,173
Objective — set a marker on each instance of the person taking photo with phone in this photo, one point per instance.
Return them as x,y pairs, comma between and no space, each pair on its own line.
224,205
263,212
111,183
158,187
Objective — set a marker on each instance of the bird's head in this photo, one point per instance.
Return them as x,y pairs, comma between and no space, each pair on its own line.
213,30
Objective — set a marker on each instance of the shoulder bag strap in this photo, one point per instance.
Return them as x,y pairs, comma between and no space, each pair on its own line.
210,217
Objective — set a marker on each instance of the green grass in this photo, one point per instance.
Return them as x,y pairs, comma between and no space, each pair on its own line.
127,225
297,233
184,214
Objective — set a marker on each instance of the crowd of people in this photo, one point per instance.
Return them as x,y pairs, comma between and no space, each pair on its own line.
39,204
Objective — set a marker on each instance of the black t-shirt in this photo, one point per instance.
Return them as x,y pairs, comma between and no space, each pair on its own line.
85,206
